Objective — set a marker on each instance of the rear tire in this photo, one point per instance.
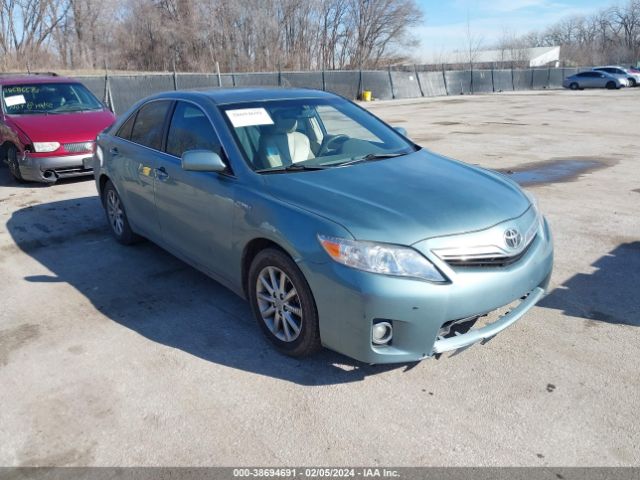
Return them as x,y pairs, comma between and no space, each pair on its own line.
283,304
116,215
574,86
13,164
612,85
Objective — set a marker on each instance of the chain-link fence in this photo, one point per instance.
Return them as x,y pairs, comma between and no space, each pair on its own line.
119,92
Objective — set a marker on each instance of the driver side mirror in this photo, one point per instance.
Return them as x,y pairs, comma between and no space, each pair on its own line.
401,130
202,161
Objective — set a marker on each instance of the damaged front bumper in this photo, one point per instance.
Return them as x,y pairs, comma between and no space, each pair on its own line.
48,169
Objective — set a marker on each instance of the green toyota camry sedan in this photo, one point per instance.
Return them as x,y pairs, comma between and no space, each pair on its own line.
337,228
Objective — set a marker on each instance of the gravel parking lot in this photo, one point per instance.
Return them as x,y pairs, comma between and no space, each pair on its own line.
113,355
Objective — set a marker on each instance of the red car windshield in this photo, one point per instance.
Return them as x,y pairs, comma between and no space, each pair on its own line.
48,98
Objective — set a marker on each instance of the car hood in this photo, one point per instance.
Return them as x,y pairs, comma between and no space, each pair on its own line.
64,127
404,200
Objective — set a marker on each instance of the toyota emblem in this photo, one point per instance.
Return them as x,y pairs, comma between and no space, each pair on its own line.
512,238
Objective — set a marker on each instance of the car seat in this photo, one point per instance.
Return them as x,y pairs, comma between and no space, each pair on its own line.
280,143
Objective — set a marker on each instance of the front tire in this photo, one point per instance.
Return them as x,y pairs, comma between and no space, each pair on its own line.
116,215
13,164
283,304
633,83
574,86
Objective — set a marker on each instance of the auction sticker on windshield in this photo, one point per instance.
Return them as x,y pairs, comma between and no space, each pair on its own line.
14,100
249,117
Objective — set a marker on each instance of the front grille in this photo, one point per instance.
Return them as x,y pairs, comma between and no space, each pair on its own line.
79,147
488,261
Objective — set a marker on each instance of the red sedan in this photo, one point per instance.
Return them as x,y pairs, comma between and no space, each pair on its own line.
48,127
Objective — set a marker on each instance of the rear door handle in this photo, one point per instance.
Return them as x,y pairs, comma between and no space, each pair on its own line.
161,173
114,151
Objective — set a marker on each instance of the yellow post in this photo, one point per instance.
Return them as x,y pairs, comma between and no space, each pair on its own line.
366,95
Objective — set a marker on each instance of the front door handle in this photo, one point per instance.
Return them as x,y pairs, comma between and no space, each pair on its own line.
161,173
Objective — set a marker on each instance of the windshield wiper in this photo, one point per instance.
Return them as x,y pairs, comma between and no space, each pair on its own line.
68,110
369,157
294,167
29,112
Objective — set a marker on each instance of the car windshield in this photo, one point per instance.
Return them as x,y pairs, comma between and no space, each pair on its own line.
310,134
48,98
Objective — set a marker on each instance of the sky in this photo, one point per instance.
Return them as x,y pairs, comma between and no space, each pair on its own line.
445,22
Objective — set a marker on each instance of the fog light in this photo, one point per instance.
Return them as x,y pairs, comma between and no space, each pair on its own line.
381,333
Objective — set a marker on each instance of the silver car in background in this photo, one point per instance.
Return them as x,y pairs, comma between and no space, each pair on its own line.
594,79
620,72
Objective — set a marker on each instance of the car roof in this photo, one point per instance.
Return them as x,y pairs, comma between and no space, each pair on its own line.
594,71
25,78
222,96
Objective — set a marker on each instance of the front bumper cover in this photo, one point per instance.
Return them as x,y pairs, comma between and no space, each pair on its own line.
48,169
350,301
483,334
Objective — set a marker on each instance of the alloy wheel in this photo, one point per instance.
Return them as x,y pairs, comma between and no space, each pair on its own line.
115,212
279,304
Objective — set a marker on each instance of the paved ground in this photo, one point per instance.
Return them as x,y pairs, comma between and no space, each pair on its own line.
125,356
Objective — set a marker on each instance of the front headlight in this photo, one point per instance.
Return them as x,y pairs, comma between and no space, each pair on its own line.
536,209
534,202
45,147
380,258
99,155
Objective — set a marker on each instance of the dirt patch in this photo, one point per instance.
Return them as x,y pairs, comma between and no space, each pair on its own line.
76,349
507,123
447,124
62,458
556,170
427,139
455,100
14,338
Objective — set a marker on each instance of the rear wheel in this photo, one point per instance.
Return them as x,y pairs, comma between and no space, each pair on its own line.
12,162
116,216
611,85
283,304
574,86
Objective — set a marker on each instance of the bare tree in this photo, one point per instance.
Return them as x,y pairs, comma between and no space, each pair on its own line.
611,35
474,44
379,27
27,26
191,35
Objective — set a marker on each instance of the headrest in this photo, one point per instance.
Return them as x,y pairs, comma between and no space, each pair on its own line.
284,122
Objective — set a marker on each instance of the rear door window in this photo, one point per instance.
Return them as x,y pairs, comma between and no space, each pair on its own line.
126,128
149,124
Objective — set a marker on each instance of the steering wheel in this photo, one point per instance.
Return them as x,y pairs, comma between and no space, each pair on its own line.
332,143
66,105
